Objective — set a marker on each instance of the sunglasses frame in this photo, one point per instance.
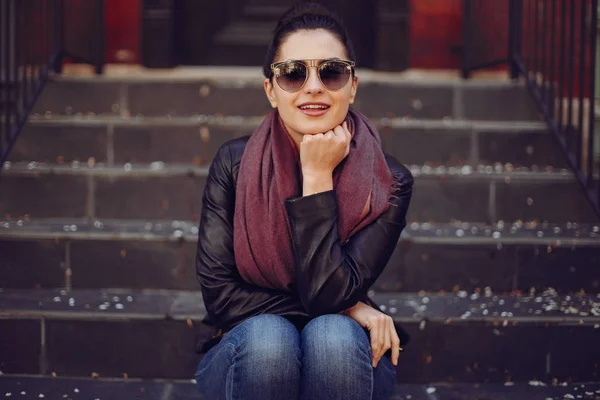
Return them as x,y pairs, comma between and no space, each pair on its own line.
311,63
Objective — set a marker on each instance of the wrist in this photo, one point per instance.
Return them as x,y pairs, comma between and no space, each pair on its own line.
313,175
349,309
316,182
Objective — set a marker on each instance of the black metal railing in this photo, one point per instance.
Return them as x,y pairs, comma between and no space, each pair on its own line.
29,50
32,46
550,45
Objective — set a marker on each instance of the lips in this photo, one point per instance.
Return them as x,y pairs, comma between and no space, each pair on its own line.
314,109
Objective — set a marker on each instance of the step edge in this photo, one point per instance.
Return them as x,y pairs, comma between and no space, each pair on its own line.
167,381
25,313
107,379
418,316
428,388
161,169
415,232
253,75
553,242
201,120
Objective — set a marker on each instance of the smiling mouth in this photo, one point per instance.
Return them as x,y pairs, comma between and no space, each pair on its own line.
314,107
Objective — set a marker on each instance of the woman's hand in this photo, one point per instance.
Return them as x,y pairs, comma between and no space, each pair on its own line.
320,154
381,329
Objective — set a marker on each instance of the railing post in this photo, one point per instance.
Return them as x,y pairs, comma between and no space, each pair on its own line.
515,37
11,68
466,45
8,71
59,10
100,36
4,43
595,97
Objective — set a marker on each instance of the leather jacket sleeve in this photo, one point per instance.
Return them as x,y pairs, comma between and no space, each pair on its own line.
229,300
332,277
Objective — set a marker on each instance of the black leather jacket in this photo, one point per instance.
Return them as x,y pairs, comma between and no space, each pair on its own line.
329,277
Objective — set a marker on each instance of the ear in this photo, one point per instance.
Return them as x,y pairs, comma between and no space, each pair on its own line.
353,89
270,92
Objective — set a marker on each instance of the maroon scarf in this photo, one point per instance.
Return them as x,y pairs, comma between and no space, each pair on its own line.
270,173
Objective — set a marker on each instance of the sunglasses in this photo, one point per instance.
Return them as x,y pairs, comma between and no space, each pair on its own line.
292,75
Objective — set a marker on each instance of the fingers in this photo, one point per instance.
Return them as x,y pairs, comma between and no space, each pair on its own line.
328,136
395,344
381,338
376,343
384,337
337,136
345,136
387,337
310,138
340,134
347,131
343,132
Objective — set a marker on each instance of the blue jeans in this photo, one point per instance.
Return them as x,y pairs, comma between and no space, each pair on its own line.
265,357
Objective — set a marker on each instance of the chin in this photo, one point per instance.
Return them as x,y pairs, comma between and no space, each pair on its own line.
318,127
315,130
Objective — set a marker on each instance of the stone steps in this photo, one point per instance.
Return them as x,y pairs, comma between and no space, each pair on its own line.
165,191
104,191
31,387
465,338
196,140
160,254
378,96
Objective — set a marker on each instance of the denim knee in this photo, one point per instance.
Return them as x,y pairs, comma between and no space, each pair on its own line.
259,358
337,336
336,359
270,343
269,336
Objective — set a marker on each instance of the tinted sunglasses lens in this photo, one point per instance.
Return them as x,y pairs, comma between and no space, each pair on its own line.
334,74
291,76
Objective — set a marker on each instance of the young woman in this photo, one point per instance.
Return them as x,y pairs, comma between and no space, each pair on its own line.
298,221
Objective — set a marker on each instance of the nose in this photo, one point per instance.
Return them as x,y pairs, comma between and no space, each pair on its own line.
313,83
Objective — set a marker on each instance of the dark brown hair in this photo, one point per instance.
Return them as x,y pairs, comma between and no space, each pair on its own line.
306,16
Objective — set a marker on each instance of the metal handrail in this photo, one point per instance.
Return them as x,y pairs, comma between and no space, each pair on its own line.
545,39
31,49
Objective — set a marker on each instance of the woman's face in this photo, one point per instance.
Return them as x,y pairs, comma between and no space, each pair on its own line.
307,45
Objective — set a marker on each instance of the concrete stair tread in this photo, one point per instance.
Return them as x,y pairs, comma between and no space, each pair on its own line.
159,254
458,233
196,139
233,75
32,386
250,123
459,308
244,95
91,321
454,338
162,190
495,172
